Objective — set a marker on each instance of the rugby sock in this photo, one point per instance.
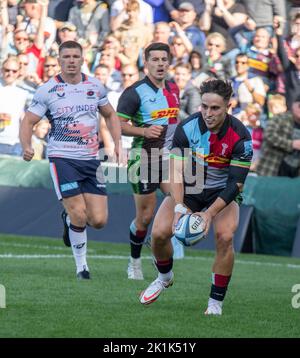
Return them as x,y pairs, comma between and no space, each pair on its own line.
219,286
136,240
78,240
164,269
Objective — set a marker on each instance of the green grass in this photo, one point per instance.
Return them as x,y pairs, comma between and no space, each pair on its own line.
44,299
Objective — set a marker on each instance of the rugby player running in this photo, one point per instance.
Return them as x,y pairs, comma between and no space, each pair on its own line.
148,111
71,101
221,146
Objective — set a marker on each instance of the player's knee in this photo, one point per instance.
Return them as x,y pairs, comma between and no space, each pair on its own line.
224,240
160,235
145,219
97,222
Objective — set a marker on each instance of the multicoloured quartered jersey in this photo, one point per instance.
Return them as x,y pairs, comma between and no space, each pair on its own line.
144,105
72,110
220,156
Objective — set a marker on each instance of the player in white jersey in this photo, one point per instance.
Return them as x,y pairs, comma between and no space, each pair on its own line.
71,101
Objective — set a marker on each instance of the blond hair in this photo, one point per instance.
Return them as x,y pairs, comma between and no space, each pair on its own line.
216,35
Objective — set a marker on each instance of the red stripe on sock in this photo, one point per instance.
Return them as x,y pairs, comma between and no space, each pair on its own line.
220,280
163,263
140,233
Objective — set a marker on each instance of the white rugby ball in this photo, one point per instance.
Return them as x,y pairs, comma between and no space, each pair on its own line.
190,229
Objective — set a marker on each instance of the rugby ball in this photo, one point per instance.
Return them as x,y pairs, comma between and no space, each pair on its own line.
190,229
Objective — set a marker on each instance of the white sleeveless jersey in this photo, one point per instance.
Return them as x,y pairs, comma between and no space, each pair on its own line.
73,114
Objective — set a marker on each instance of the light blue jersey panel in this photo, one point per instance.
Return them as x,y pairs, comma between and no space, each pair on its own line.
152,105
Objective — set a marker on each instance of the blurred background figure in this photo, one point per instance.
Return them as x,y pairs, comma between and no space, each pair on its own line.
280,155
172,7
162,32
66,32
39,144
198,73
91,19
276,105
50,68
247,88
221,15
215,64
250,116
133,35
118,14
33,13
190,99
12,105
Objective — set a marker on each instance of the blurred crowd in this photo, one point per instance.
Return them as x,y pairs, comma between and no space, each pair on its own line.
255,44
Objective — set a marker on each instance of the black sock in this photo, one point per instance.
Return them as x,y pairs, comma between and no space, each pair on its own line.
136,240
219,286
164,266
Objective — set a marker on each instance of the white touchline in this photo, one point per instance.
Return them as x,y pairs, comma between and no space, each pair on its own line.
38,246
122,257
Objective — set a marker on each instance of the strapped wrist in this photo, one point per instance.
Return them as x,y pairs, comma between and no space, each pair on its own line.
179,208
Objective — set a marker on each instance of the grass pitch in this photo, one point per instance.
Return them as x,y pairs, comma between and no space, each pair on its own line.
44,299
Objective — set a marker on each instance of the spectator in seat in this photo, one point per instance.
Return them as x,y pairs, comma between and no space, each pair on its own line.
189,95
12,105
280,154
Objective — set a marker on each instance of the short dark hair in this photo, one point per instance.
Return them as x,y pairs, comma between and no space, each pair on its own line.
219,87
242,54
70,44
157,46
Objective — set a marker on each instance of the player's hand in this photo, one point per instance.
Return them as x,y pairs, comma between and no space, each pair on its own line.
207,218
153,131
28,154
177,216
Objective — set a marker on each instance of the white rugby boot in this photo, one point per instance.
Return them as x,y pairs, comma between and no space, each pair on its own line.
214,307
153,291
134,269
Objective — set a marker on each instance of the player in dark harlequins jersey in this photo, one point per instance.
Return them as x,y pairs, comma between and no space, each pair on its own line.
218,148
151,106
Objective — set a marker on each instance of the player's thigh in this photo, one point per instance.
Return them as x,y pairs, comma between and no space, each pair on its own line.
162,225
145,206
96,209
226,222
76,209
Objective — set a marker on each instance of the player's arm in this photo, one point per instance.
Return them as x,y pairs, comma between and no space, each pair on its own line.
128,129
238,170
132,131
26,129
113,124
178,161
128,107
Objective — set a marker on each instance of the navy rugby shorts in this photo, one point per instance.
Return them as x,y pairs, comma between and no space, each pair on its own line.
72,177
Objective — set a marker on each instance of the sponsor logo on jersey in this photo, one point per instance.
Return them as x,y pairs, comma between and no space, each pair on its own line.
165,113
57,88
224,147
91,94
76,109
